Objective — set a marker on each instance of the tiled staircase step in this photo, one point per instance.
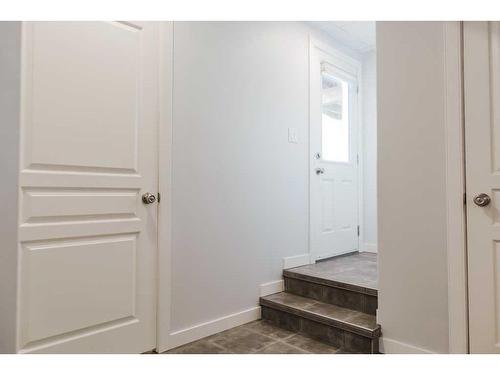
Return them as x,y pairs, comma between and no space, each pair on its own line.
296,314
346,280
325,291
346,341
338,317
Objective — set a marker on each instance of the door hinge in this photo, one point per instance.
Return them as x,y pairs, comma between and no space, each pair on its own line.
159,197
358,230
465,198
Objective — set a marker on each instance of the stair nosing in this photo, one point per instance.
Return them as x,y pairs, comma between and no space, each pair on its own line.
333,322
331,283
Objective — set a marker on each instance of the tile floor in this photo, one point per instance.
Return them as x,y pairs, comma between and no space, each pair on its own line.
356,269
257,337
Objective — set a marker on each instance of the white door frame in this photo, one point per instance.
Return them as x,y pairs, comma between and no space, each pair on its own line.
455,190
345,59
163,341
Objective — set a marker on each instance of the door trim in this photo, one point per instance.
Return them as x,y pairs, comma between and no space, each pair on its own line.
341,59
165,140
458,325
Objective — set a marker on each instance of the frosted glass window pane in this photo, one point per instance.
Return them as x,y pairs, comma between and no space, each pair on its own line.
334,119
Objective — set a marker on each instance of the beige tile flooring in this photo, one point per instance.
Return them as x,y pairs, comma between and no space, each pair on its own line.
257,337
357,269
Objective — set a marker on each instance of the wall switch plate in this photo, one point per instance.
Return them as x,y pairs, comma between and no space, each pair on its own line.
292,135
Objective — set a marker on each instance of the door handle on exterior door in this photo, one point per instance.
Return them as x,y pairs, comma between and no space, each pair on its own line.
482,200
319,171
148,198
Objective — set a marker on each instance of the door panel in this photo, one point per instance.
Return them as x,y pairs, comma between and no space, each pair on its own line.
333,167
88,153
88,301
482,140
102,63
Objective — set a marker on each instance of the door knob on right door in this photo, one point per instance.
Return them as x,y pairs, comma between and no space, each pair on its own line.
482,200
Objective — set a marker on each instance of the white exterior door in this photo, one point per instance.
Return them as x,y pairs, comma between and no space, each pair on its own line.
334,155
482,139
88,153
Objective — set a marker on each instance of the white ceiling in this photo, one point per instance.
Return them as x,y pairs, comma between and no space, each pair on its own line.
357,35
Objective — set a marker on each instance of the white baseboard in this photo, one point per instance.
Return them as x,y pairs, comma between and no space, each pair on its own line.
390,346
370,248
200,331
272,287
296,261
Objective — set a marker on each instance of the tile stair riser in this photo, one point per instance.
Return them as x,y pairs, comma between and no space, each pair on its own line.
333,335
323,320
330,294
327,282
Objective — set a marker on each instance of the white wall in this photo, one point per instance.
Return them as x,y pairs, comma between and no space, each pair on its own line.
369,118
413,299
10,74
240,190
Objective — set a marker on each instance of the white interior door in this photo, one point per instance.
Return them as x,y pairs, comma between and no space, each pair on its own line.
334,156
87,242
482,140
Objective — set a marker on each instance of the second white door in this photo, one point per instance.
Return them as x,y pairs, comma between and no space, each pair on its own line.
482,141
334,155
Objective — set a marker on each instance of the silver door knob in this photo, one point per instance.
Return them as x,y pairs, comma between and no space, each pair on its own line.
482,199
148,198
320,171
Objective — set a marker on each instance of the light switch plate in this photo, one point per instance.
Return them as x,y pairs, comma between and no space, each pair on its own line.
292,135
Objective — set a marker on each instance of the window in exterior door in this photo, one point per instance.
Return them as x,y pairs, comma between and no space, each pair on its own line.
334,119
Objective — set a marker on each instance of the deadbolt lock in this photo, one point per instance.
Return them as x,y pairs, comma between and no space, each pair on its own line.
320,171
